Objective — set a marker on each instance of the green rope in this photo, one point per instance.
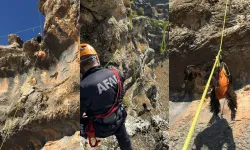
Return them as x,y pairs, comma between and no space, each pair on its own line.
111,59
163,44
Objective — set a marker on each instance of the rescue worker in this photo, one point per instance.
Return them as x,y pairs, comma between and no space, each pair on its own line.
40,54
101,94
39,38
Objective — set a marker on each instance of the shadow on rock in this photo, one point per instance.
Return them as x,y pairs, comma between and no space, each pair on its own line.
57,45
218,136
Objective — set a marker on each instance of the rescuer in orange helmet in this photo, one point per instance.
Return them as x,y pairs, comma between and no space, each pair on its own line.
102,113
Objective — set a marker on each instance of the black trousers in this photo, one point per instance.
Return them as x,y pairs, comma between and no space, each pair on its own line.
123,138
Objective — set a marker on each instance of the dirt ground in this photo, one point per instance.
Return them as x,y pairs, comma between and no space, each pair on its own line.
162,78
223,134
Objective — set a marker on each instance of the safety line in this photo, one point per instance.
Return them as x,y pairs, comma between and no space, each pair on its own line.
39,16
163,44
191,130
113,57
21,31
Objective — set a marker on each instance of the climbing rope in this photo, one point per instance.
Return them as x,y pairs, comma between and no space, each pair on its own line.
163,44
39,16
191,130
33,28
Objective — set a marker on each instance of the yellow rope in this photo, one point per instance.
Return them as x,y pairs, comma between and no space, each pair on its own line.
191,130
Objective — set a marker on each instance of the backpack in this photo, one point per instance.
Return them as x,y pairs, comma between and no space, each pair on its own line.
223,82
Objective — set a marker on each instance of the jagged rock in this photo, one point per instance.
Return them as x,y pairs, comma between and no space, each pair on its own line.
31,47
66,142
135,125
15,40
158,122
40,98
61,27
109,33
14,56
149,54
196,31
163,141
152,94
101,9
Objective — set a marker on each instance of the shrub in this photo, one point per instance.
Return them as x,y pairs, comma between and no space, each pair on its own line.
141,11
141,46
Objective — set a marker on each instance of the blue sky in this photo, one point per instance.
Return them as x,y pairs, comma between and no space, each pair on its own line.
17,15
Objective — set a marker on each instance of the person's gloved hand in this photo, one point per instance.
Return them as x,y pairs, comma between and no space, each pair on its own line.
84,115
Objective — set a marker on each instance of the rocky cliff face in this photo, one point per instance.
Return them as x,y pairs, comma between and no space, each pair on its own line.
39,98
195,37
136,53
195,34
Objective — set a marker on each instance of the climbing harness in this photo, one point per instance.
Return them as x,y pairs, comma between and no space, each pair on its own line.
90,130
191,130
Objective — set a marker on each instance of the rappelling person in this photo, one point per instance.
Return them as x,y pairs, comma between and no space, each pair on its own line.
222,87
102,113
39,38
41,53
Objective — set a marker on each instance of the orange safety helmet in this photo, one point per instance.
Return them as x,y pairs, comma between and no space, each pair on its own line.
41,53
86,50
